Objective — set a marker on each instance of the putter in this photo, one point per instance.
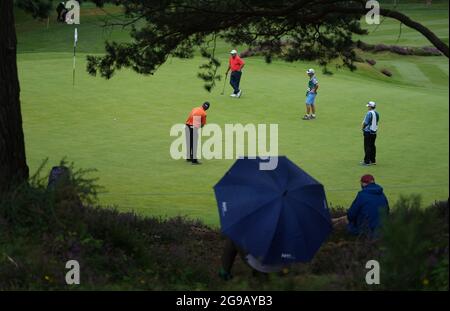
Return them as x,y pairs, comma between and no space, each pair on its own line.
224,83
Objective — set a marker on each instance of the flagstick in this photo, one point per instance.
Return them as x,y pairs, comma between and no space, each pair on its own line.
73,72
74,54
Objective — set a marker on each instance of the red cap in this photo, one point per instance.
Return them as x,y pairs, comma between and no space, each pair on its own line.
367,179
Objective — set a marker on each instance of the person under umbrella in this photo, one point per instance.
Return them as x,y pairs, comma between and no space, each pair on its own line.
231,250
273,218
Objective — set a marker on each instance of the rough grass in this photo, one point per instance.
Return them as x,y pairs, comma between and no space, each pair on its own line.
41,229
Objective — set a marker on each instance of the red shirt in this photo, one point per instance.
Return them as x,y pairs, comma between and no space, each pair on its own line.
197,117
236,63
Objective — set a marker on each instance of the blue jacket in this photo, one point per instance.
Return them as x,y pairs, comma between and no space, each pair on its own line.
364,216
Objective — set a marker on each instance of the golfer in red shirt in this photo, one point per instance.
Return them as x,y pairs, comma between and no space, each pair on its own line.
235,65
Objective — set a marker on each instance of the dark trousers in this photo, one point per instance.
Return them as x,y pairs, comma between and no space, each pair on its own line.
191,142
230,251
235,80
370,151
229,254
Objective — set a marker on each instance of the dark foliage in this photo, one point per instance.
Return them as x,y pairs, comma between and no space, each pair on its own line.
371,62
415,246
178,28
308,30
386,72
401,50
43,227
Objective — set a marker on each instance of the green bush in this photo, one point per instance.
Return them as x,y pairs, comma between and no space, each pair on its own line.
414,246
41,229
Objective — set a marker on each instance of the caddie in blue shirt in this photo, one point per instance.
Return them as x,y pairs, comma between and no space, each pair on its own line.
370,128
311,94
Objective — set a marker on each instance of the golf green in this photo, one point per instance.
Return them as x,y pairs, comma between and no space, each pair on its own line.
121,126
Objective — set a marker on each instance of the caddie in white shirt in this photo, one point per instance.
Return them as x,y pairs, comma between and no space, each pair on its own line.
370,128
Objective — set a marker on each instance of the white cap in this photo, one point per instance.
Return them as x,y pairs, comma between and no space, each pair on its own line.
310,70
371,104
233,52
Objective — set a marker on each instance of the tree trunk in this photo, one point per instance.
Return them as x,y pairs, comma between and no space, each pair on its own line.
13,166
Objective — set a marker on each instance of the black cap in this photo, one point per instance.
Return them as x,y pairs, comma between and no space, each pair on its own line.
206,105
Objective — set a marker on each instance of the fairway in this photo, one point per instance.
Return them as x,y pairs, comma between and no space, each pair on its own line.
121,126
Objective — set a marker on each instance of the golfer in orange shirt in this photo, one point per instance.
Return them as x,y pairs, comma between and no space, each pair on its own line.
195,120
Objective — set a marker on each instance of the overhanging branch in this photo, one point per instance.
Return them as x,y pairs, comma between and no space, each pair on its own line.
426,32
438,43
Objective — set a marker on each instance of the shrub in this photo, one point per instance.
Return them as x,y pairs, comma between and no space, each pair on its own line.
371,62
386,72
40,229
401,50
414,247
247,53
428,51
43,228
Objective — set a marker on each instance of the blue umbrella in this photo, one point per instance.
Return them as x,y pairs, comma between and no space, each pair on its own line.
279,216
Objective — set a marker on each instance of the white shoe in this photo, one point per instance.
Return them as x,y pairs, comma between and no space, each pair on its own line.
233,95
239,94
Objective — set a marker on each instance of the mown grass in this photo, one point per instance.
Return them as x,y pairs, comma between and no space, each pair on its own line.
121,126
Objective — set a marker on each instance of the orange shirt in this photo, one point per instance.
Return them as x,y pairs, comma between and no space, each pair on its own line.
236,63
197,117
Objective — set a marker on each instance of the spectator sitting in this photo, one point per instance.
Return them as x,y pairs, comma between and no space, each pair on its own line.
364,216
